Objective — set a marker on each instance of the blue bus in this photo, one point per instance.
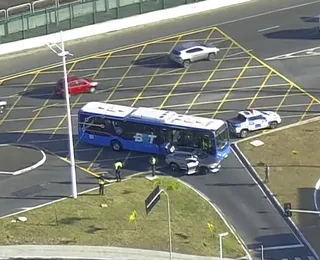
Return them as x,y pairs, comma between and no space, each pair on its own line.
150,130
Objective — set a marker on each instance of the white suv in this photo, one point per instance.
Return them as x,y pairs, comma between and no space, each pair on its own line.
189,52
252,120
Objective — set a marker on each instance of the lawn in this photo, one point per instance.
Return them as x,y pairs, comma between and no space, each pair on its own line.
293,157
85,222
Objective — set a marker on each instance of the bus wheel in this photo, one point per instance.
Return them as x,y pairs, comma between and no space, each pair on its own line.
174,167
116,145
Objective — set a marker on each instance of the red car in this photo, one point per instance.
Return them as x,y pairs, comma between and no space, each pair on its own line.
76,86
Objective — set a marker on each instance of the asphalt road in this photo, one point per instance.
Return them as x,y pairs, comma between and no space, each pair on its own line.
35,116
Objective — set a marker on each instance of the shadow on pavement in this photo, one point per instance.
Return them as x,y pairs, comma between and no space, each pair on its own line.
296,34
157,61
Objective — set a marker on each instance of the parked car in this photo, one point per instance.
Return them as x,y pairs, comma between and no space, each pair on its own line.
76,86
181,156
189,52
3,105
251,120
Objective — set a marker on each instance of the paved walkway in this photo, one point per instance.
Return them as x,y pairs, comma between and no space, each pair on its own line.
90,252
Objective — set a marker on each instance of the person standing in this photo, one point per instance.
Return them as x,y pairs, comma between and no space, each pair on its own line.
118,166
102,182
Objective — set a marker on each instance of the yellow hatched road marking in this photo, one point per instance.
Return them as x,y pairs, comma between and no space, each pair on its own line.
259,90
208,80
306,111
95,159
270,68
152,77
72,106
181,76
284,98
225,98
18,99
125,74
101,66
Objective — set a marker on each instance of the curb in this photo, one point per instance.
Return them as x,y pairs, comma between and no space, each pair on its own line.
30,168
273,200
219,212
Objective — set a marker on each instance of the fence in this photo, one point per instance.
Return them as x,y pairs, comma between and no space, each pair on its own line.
37,22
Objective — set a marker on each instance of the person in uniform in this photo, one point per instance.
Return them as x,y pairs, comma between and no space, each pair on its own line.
118,166
102,182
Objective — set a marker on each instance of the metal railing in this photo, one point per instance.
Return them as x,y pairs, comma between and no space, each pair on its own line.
36,22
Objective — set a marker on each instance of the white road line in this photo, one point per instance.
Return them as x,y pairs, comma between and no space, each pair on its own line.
269,28
280,247
296,54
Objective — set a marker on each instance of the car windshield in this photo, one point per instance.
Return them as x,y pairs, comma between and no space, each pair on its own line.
222,137
175,52
241,118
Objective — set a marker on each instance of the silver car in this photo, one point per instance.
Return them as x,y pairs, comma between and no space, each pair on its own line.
189,52
178,159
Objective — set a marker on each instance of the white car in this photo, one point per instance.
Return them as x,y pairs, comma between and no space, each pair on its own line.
252,120
189,52
3,105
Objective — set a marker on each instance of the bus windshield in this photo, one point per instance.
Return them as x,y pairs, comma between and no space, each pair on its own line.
222,137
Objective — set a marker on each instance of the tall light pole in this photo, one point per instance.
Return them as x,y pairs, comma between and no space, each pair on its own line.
61,52
220,242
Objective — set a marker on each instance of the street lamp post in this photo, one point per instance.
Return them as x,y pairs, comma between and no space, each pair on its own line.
61,52
220,242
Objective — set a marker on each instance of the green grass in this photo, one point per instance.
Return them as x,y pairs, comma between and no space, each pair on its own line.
85,222
293,157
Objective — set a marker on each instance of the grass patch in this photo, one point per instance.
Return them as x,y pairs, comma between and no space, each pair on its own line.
85,222
293,157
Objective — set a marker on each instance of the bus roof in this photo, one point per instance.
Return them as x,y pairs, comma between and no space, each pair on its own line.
152,115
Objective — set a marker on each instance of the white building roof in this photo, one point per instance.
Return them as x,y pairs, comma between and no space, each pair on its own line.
153,115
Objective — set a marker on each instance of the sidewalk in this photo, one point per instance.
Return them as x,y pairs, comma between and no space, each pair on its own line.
90,252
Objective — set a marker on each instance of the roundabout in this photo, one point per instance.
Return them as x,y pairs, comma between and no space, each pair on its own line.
17,158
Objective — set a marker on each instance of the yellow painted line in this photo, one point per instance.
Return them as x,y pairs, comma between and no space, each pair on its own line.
225,98
181,77
152,77
36,130
125,74
142,54
306,111
228,100
95,159
72,66
18,99
284,98
33,119
259,90
188,40
101,66
272,69
45,107
73,105
208,80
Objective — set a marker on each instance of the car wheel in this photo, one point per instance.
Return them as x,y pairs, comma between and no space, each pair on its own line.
186,63
92,90
244,133
204,170
116,145
174,167
273,124
211,56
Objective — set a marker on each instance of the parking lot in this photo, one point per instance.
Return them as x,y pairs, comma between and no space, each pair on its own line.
142,76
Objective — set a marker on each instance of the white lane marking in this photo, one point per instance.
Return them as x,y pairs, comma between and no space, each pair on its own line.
269,12
297,54
280,247
269,28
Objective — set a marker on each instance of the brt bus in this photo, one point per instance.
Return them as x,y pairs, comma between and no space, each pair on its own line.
150,130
